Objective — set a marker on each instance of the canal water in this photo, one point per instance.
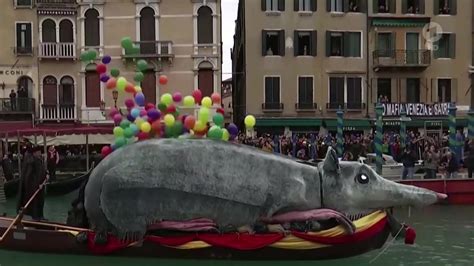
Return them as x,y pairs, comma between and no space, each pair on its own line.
445,236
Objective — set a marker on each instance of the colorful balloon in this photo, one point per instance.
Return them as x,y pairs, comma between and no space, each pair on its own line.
163,80
118,132
134,128
215,133
188,101
197,95
154,114
149,106
126,43
139,121
121,83
125,124
114,72
106,150
106,59
171,109
143,136
101,68
177,128
142,65
113,112
120,142
117,118
104,78
139,77
145,127
162,107
218,119
216,98
189,122
143,113
167,99
225,134
177,97
249,121
140,99
128,132
129,103
206,102
169,120
91,55
203,115
130,88
233,129
220,110
135,112
138,89
199,126
111,83
156,127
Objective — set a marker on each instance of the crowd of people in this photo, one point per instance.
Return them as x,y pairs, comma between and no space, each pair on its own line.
433,151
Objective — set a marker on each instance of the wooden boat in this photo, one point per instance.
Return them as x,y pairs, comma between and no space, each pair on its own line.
459,191
66,183
372,232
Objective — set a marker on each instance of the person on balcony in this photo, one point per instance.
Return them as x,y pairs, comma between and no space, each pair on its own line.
13,100
22,98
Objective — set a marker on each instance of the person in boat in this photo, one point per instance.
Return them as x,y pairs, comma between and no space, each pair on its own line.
7,167
33,175
53,160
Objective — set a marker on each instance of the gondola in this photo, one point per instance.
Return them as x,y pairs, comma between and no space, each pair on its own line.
67,183
372,232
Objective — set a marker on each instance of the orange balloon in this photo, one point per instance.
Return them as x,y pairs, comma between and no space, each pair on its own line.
130,88
216,98
111,83
156,127
163,80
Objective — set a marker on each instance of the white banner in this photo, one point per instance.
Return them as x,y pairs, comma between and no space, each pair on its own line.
416,109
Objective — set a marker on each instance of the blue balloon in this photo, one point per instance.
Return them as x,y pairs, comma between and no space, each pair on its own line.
130,118
113,147
135,112
154,114
233,130
140,99
106,59
134,129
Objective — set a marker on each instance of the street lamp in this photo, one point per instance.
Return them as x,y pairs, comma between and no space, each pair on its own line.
102,108
115,95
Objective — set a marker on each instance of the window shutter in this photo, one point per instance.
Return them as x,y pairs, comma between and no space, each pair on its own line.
345,43
422,6
314,43
404,6
264,42
61,94
345,6
264,5
281,5
18,35
393,44
436,7
375,6
282,42
393,6
454,7
328,43
452,45
436,51
328,5
296,5
314,5
28,40
296,43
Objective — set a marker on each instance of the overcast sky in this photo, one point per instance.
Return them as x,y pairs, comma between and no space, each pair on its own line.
229,15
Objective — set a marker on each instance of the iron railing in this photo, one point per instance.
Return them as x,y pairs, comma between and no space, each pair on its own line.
306,106
17,105
273,106
153,49
402,58
345,106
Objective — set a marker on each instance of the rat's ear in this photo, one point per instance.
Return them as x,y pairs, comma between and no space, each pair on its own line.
331,162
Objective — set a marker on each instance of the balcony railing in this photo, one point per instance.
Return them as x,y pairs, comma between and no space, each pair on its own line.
62,112
273,106
153,49
57,50
306,106
17,105
402,58
56,2
334,106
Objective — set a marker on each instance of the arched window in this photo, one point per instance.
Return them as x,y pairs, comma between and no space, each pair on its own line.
66,32
206,78
205,28
147,31
25,85
50,91
91,26
92,86
66,91
48,31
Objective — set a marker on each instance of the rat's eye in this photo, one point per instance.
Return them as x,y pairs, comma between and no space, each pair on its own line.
363,179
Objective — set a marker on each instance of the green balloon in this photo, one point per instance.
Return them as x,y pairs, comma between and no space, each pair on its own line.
118,132
115,72
215,133
125,124
128,133
142,65
162,107
126,43
169,132
120,142
139,77
84,56
177,128
218,119
92,55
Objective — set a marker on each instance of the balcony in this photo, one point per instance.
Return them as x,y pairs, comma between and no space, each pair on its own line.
17,106
350,106
56,7
273,107
57,50
398,59
308,107
62,112
161,50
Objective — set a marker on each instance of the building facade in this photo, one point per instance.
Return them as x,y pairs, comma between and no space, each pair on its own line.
179,39
297,62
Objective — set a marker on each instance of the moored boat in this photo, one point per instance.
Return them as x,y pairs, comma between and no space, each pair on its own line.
372,232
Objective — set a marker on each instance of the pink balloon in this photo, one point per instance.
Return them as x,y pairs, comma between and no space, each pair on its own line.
197,94
129,103
117,118
177,97
143,112
113,112
189,122
106,150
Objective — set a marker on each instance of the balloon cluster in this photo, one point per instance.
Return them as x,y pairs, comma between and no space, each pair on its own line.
162,120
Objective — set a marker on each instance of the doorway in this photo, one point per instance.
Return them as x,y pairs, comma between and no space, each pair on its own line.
412,47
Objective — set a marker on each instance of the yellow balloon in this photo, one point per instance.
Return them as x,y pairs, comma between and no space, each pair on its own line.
188,101
139,122
169,120
206,102
138,89
225,134
249,121
199,126
145,127
167,99
203,114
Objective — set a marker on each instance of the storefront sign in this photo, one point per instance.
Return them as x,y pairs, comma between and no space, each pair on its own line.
11,72
416,109
391,123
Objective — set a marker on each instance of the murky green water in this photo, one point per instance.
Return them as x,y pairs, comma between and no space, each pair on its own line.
445,236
